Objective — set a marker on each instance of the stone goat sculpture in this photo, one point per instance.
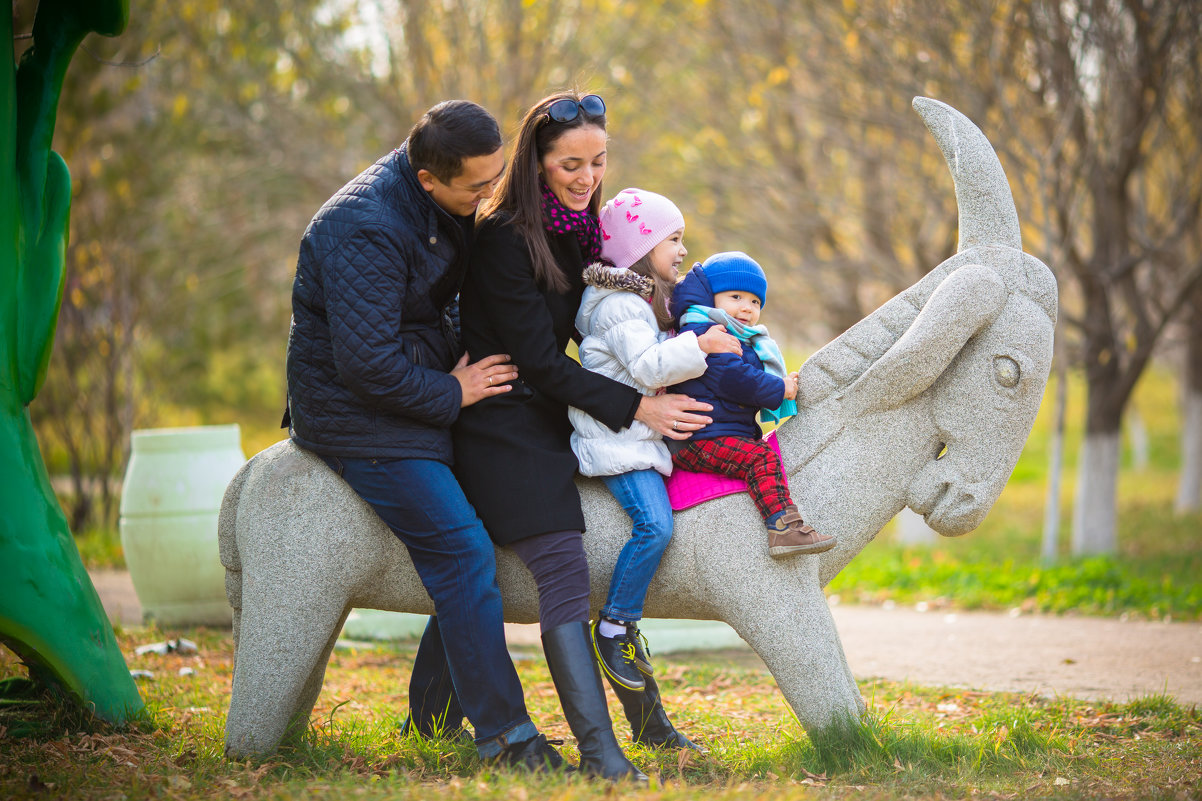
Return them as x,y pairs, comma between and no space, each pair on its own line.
926,403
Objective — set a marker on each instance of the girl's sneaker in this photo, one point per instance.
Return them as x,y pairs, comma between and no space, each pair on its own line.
618,657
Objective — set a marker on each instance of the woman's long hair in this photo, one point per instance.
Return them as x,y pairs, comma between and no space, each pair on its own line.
519,195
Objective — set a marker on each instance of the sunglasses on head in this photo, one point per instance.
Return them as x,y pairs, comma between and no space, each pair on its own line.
567,109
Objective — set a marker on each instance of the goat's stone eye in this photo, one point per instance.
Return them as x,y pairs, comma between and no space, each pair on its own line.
1006,371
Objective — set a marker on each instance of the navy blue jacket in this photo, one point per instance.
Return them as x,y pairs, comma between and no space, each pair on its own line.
737,386
373,305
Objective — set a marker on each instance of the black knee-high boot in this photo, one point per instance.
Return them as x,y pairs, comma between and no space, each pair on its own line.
578,683
649,721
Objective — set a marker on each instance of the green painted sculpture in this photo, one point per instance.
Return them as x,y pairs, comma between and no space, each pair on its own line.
50,614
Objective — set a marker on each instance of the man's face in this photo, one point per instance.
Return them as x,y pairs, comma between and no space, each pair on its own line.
476,181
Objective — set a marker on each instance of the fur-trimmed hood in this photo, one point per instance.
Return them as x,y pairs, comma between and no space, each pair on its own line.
604,275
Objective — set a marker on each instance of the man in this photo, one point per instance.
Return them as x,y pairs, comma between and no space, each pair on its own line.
375,381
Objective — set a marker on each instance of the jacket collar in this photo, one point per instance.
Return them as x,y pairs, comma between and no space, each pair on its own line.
434,215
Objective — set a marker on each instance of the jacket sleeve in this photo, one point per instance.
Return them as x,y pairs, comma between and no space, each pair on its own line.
503,275
365,281
734,379
621,322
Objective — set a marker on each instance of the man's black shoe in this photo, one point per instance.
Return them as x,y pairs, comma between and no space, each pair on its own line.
536,755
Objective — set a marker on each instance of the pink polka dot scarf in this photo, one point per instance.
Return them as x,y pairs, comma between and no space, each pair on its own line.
559,219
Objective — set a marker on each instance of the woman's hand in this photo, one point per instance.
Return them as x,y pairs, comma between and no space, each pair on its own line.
673,416
485,378
718,340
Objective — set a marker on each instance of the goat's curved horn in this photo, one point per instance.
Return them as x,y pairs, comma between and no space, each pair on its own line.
969,299
987,212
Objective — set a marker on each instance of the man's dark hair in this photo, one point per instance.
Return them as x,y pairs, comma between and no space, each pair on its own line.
447,134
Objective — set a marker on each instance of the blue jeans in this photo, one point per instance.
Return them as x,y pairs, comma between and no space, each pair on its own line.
420,500
645,498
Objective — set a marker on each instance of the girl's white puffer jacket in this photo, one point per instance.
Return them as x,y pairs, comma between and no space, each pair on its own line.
623,341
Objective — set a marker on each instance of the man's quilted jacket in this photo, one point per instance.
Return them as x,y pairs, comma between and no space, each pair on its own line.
373,320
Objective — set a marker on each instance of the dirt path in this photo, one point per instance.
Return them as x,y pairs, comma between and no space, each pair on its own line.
1083,657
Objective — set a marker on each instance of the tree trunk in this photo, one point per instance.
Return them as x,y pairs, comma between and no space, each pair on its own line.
1095,509
913,530
1189,488
1051,516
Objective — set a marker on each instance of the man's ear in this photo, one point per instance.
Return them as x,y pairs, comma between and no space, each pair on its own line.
426,179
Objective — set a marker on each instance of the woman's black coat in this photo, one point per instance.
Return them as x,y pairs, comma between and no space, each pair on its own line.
513,455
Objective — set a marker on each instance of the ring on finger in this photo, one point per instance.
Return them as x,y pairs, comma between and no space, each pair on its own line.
674,423
490,381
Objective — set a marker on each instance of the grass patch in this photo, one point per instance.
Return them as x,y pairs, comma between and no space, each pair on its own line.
917,742
101,548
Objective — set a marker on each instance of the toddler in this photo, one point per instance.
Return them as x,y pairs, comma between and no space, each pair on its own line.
731,289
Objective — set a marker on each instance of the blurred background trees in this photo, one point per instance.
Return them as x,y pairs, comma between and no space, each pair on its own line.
202,140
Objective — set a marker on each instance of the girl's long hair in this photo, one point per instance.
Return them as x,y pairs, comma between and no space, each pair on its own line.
519,196
661,294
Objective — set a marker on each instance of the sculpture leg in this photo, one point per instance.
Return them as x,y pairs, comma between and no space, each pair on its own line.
795,635
312,688
283,644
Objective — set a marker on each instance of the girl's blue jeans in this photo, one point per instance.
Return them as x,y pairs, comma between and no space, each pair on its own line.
420,500
644,497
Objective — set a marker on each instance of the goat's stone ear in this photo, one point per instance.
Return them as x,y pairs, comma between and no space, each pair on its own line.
969,299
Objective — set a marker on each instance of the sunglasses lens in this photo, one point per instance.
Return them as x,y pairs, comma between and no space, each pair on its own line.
564,110
593,105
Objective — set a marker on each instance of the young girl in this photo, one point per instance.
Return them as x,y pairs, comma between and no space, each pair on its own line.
731,289
625,320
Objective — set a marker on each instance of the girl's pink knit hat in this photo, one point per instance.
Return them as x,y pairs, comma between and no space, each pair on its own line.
635,221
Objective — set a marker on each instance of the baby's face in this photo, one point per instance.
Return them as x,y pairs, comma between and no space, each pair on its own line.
742,305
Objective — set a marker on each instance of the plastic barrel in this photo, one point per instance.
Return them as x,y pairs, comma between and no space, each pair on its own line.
169,506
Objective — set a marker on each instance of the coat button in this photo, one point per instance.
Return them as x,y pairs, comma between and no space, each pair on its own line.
433,240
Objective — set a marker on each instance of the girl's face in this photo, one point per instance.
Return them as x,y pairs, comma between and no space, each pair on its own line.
666,257
574,166
739,304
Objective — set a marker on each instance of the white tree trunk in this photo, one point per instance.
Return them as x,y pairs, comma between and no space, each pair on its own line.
1095,508
1137,430
912,529
1051,512
1189,488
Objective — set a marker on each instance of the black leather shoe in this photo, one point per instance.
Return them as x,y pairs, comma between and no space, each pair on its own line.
536,755
616,656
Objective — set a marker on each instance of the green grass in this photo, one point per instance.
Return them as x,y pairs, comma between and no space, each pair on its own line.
916,742
101,548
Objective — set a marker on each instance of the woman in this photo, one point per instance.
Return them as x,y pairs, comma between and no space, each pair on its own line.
512,452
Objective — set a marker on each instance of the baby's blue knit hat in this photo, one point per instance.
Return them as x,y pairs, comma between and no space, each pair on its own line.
735,270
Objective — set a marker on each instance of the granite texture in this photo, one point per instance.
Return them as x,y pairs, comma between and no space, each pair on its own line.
926,403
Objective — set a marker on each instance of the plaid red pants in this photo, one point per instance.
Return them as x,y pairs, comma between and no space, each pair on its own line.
751,460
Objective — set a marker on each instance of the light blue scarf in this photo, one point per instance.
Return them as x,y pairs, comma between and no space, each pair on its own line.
757,336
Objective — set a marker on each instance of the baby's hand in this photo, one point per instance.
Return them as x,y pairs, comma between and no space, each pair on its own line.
717,340
791,386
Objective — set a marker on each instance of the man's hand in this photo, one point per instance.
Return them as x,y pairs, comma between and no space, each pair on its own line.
485,378
673,416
